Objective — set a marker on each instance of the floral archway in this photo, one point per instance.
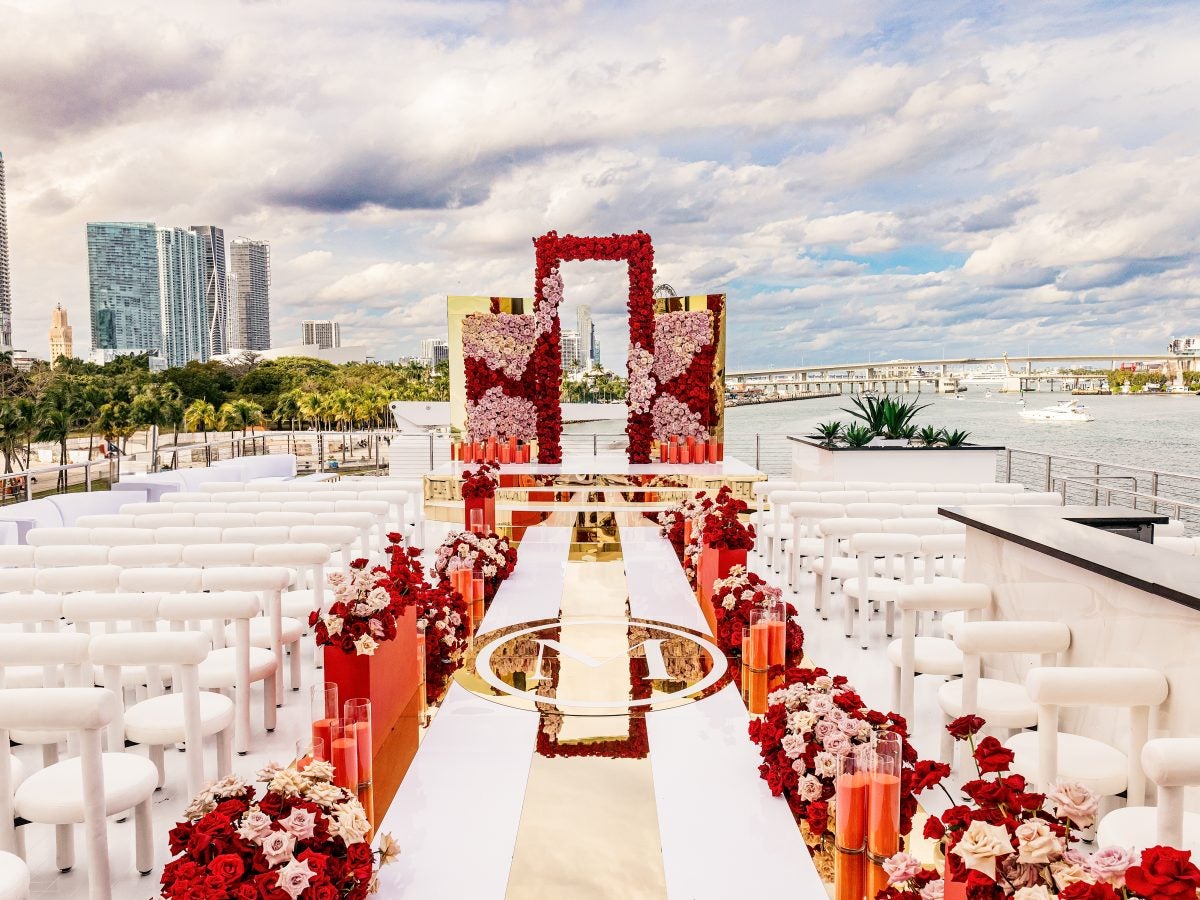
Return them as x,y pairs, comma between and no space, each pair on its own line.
513,360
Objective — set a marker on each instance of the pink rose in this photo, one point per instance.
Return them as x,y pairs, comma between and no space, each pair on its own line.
1075,802
901,867
1108,865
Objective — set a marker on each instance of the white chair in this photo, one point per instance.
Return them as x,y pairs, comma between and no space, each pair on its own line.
806,540
915,486
834,563
378,509
308,561
223,487
69,580
865,485
34,613
57,555
189,536
943,498
1047,755
844,496
14,877
1007,487
185,715
113,613
898,553
312,506
13,580
87,788
914,654
1172,764
124,537
1173,528
942,557
364,522
959,487
42,537
1038,498
110,520
901,497
204,556
920,510
164,520
1004,705
16,555
195,507
272,630
144,509
230,665
254,506
338,538
224,520
150,580
991,498
919,527
773,531
1185,545
872,510
286,519
146,555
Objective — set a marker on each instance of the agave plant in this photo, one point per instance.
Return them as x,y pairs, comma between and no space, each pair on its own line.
885,416
869,411
955,438
929,436
829,432
908,432
857,435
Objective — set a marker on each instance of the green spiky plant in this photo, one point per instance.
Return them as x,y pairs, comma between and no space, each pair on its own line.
886,416
857,435
829,432
955,438
929,436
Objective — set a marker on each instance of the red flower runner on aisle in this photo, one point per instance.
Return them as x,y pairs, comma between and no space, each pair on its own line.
443,621
809,722
302,838
734,598
1007,841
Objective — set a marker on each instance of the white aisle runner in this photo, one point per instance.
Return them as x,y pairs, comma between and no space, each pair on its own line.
721,833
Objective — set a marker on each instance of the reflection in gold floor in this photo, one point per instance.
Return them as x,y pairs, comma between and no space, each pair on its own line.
589,824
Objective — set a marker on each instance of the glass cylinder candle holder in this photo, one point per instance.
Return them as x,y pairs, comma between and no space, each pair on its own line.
849,875
745,663
343,753
505,454
325,710
777,631
685,454
711,450
662,451
308,749
477,521
477,593
883,797
758,659
357,713
673,450
851,784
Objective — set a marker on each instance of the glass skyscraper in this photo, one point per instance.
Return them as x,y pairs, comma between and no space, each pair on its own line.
124,289
181,268
250,319
5,280
216,281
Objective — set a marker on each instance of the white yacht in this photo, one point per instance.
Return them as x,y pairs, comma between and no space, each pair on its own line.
1062,411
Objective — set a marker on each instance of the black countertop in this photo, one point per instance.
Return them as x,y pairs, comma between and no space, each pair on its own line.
1060,532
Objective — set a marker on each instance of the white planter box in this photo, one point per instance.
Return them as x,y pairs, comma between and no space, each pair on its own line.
812,462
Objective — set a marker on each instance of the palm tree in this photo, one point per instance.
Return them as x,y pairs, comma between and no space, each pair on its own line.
287,407
200,415
311,406
13,427
55,424
115,423
156,406
240,413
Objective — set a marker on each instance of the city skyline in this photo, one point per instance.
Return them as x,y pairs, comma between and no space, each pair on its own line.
5,278
871,176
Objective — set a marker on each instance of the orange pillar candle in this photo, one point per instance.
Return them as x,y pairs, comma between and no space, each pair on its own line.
662,451
358,713
685,454
324,710
673,451
757,658
712,450
512,448
876,878
851,785
477,595
344,755
505,454
883,798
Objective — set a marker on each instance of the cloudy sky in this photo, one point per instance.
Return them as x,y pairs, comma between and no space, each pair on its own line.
882,178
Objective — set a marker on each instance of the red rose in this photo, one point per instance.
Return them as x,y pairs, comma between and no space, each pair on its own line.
271,804
927,774
1081,890
228,867
322,891
934,829
965,726
361,859
268,887
992,756
1164,872
244,891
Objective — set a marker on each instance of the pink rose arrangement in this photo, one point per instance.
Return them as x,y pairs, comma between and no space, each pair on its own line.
500,414
678,337
503,341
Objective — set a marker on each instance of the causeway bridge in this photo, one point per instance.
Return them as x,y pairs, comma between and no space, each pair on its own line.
945,375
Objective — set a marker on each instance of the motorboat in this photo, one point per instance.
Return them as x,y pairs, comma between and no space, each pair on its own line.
1179,390
1062,411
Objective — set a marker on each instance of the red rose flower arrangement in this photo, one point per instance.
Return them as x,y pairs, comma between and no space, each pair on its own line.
442,619
302,838
733,600
721,525
497,556
481,484
367,604
811,720
1005,840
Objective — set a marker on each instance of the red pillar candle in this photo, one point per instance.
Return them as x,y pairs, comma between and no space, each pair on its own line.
344,755
477,595
505,454
757,656
324,710
712,450
662,451
690,443
512,447
851,785
685,454
673,452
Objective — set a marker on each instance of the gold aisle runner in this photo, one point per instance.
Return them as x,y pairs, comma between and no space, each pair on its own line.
589,825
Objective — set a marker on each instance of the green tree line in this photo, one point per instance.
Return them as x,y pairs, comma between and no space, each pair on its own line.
114,401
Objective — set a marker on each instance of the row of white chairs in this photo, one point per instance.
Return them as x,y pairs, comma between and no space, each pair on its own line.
1188,546
1048,754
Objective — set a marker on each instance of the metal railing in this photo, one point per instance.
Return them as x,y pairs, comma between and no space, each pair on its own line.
1090,482
29,484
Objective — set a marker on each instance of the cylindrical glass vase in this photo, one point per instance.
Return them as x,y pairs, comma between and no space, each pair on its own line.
883,798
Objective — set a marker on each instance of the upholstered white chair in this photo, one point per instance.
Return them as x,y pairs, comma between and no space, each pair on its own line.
398,502
16,555
761,515
254,506
1172,764
874,510
124,537
920,510
14,877
892,496
1185,545
272,630
844,496
364,522
943,498
259,535
806,541
83,789
206,555
1048,755
223,520
312,506
189,536
34,613
912,654
919,526
780,524
184,715
145,509
1038,498
196,507
915,486
286,519
992,498
308,561
223,487
232,665
339,539
173,580
835,563
942,557
71,579
57,555
94,613
378,509
1173,528
1004,705
898,553
105,520
41,537
146,555
865,485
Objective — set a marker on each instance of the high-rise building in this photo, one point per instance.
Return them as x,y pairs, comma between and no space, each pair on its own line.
250,317
5,277
124,288
181,289
216,280
569,344
587,334
321,333
62,342
434,351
